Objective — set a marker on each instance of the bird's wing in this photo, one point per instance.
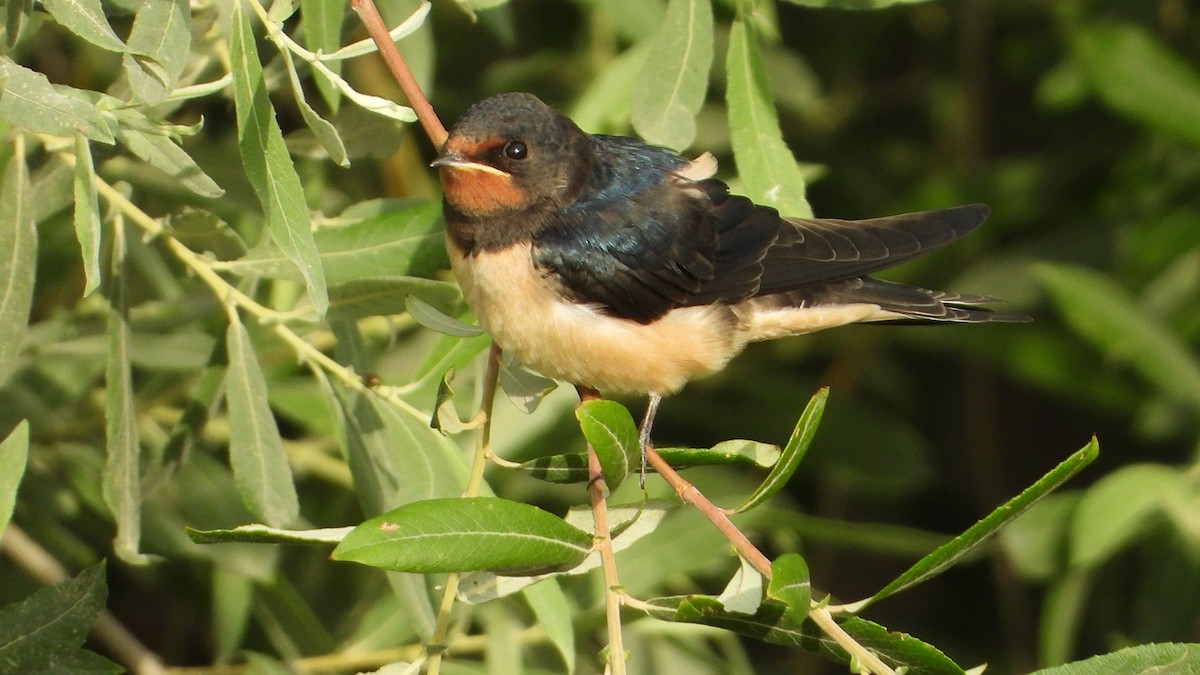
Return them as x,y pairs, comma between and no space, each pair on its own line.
637,257
811,250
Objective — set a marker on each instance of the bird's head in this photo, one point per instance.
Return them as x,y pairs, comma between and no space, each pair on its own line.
510,153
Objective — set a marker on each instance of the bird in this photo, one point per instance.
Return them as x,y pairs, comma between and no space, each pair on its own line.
622,267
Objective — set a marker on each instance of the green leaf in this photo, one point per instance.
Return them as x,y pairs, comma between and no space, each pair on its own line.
1136,75
16,18
1140,660
87,214
18,261
406,241
324,131
394,457
633,522
767,168
771,624
14,454
436,320
85,18
613,435
572,467
121,485
789,460
744,592
790,585
854,4
263,534
1036,543
1114,511
200,230
524,388
44,632
670,88
1105,314
30,102
445,414
162,38
553,612
260,464
161,152
461,535
322,22
604,105
955,549
268,166
385,296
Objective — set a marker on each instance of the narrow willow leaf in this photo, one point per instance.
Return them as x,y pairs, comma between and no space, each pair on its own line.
260,465
367,45
385,296
87,214
321,128
14,454
670,88
1138,76
263,534
572,467
434,319
771,624
161,37
30,102
121,485
405,241
1114,512
394,456
1106,315
789,460
462,535
1148,659
450,352
744,592
790,585
85,18
16,17
524,388
604,104
768,169
613,435
553,612
954,550
445,414
18,260
268,166
322,22
44,632
378,105
854,4
631,524
162,153
201,230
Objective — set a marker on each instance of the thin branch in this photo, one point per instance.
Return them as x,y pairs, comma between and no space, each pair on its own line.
603,544
820,615
483,445
433,127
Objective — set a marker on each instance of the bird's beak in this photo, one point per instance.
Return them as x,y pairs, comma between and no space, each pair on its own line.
453,160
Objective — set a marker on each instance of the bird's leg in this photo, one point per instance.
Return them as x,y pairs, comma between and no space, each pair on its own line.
644,431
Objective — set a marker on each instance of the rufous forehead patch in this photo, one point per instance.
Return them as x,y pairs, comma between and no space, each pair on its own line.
470,147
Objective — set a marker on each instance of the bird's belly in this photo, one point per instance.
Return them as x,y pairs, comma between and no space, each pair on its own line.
529,319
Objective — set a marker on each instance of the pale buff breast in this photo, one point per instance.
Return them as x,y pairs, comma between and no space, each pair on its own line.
579,344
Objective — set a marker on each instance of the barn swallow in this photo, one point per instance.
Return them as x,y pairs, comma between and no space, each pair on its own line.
623,267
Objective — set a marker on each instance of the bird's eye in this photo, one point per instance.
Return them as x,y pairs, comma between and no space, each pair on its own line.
516,150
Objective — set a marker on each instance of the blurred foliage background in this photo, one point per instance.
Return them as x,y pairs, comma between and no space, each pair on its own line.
1077,121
